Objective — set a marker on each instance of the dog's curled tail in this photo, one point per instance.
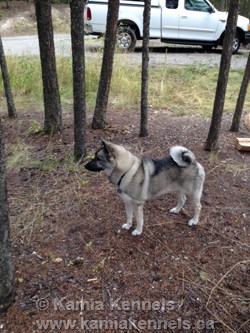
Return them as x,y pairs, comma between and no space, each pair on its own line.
182,156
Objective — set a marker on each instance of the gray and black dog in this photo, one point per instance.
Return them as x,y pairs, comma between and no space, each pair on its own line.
140,179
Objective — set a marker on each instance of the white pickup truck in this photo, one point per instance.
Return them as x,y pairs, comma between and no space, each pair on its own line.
189,22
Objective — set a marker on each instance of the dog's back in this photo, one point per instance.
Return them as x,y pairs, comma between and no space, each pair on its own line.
178,172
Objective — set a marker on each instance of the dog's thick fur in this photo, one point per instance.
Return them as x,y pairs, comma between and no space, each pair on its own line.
141,179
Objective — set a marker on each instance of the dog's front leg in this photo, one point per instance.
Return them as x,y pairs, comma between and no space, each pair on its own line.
138,212
129,212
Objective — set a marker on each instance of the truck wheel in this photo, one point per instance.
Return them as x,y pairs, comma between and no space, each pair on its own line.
126,39
236,43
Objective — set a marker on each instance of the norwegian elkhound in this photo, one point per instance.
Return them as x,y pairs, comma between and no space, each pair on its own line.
140,179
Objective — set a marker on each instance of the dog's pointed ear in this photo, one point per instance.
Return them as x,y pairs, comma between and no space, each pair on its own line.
108,146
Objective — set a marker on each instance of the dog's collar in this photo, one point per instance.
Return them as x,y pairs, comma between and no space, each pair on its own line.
131,171
120,180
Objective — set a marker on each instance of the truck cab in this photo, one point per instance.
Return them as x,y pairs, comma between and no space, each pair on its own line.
189,22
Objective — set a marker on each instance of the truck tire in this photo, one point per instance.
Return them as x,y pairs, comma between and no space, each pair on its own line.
236,43
126,39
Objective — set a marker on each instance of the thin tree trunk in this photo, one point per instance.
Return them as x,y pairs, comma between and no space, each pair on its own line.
241,98
219,101
99,118
6,82
77,37
145,61
52,104
6,265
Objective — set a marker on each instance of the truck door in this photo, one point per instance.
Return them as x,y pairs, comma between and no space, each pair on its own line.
198,21
170,19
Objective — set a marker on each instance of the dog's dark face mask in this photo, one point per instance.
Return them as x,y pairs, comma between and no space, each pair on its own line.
102,159
97,164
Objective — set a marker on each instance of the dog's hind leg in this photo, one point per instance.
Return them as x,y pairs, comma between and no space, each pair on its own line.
181,201
138,211
196,201
129,212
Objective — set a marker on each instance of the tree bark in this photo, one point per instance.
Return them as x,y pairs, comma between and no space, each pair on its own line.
8,93
78,63
6,265
99,118
219,101
241,98
145,61
52,104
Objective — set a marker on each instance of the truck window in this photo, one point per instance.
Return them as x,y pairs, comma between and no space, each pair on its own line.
197,5
172,4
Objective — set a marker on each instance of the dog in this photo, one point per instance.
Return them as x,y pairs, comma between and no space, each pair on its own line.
140,179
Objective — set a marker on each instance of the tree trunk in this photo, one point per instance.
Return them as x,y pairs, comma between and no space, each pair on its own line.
52,105
6,82
214,131
77,38
241,98
6,265
145,61
99,118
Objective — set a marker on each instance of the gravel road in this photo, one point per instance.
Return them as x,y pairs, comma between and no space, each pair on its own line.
159,54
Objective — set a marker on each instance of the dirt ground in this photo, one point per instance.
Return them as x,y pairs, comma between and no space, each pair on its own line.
20,19
78,271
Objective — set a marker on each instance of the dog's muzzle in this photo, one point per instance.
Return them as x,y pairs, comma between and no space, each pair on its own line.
92,166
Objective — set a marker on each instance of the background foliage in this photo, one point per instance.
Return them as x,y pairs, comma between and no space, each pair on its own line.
224,4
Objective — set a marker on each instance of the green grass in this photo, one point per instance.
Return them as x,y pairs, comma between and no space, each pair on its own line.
180,90
19,156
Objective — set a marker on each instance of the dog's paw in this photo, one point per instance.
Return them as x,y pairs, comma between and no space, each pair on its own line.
192,222
126,226
136,232
174,210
